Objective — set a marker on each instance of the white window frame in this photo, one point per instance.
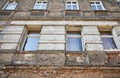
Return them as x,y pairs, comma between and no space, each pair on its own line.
42,3
101,4
71,3
10,3
74,36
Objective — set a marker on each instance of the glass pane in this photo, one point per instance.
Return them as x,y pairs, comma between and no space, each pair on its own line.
74,44
74,2
91,2
97,2
68,2
32,41
44,2
43,7
31,44
68,7
11,6
74,7
99,7
38,2
108,43
36,7
118,3
93,7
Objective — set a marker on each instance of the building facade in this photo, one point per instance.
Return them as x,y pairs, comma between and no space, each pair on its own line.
59,38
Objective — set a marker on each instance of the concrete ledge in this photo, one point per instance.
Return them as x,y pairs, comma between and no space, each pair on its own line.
60,58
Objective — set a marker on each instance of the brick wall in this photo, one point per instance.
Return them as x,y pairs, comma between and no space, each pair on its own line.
60,72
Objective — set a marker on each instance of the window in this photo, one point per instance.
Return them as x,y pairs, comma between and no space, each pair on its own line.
40,5
10,5
97,5
72,6
118,3
32,40
107,38
74,42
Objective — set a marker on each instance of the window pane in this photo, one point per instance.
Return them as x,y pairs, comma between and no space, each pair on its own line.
43,7
68,2
74,44
93,7
91,2
118,3
74,7
68,7
11,6
74,2
36,7
32,42
96,6
38,2
40,5
97,2
44,2
108,43
99,7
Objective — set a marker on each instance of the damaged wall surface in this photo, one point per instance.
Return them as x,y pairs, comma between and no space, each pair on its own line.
60,39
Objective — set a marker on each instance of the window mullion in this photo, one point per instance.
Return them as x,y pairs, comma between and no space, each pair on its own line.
71,5
96,6
41,5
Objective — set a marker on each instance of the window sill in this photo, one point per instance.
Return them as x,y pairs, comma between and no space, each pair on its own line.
5,13
111,49
72,10
100,10
37,10
75,51
7,10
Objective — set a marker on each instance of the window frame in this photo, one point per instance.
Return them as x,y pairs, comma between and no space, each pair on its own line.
107,36
8,3
71,4
42,4
27,36
101,4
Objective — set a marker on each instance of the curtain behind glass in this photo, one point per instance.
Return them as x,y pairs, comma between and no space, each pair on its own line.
108,43
74,44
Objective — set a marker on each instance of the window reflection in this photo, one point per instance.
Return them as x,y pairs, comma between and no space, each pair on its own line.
32,40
